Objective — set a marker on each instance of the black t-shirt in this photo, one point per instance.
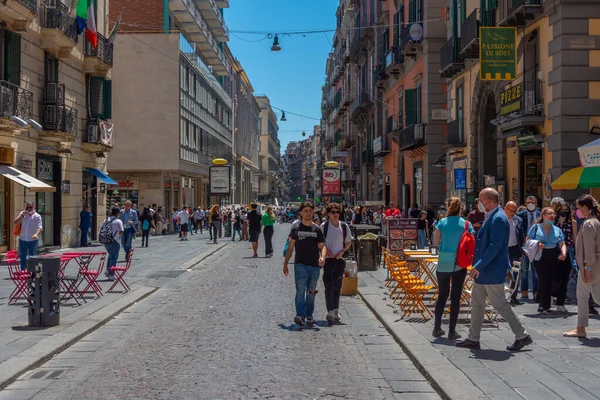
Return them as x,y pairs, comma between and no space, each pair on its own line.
254,219
415,213
421,223
307,239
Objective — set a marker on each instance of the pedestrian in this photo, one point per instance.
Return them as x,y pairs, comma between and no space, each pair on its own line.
237,225
308,241
112,244
422,230
159,219
85,223
516,240
244,216
565,221
490,265
477,216
199,219
174,219
415,212
254,227
529,216
215,222
267,221
551,241
357,218
30,223
129,217
147,223
447,236
586,252
338,240
137,227
184,219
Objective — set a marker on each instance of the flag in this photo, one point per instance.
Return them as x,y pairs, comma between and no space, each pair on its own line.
115,29
85,20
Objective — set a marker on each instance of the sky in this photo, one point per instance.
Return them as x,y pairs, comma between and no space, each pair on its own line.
291,78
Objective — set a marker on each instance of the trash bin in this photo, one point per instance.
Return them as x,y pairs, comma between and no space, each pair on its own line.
367,252
44,291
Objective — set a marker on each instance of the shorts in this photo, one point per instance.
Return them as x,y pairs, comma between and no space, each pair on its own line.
254,235
184,227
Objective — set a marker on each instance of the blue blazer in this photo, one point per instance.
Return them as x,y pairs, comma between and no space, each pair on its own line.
521,233
491,249
524,214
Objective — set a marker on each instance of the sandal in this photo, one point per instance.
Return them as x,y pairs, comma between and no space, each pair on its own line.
575,333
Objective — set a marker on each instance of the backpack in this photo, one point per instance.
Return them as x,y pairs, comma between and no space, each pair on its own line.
106,236
466,248
146,225
344,230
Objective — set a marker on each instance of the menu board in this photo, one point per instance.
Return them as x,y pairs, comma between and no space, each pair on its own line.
402,233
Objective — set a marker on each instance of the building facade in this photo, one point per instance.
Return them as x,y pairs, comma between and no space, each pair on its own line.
55,119
271,186
176,102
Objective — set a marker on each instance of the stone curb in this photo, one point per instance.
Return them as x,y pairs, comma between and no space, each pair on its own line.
49,347
446,379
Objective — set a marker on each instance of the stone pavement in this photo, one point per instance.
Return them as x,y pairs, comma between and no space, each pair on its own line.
222,330
554,367
22,348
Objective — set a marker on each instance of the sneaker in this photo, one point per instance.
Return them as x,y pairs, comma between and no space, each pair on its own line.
310,321
561,309
453,335
548,311
540,310
437,332
181,240
298,320
111,278
329,316
336,315
593,311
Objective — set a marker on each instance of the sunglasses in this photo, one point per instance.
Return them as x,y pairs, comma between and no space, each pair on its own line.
334,212
29,208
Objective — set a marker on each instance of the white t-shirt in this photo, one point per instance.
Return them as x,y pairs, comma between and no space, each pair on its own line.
184,217
334,240
116,227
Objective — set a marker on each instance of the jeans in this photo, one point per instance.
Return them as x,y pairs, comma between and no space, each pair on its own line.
333,272
525,267
26,248
175,227
146,236
238,230
84,236
444,278
306,283
422,239
113,255
126,241
215,230
268,234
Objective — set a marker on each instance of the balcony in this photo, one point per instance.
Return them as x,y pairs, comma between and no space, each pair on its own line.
59,32
18,13
14,102
451,61
197,31
59,123
380,76
394,62
456,133
366,156
212,14
360,106
97,136
521,107
98,61
381,146
222,3
469,36
411,40
519,13
410,137
346,143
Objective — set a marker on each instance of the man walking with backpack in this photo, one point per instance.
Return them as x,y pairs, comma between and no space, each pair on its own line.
338,240
110,233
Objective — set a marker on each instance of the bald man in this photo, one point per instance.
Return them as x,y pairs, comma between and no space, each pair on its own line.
516,240
490,265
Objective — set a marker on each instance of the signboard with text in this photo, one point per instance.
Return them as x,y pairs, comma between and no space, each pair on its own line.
220,182
460,179
498,53
402,233
510,100
332,182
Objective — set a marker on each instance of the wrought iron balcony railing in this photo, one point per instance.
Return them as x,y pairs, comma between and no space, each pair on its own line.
15,101
411,137
57,16
469,35
104,51
31,5
60,118
456,133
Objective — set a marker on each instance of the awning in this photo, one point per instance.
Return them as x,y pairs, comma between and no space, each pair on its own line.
589,154
102,176
578,178
25,180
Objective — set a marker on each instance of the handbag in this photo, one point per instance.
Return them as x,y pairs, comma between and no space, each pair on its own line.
524,248
17,230
286,247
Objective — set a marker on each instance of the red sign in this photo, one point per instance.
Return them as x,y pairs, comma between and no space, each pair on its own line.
126,184
332,182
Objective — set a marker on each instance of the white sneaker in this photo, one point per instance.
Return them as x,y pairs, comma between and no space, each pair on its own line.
329,316
561,309
336,315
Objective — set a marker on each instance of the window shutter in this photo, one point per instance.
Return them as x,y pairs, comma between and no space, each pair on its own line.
96,97
107,88
492,4
409,106
397,29
12,67
418,104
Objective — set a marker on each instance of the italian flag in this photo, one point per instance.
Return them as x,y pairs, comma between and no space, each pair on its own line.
85,20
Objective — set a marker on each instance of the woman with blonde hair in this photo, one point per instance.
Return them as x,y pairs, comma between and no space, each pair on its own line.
267,221
448,232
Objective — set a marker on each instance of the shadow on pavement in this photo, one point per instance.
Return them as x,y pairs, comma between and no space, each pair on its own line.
298,328
492,355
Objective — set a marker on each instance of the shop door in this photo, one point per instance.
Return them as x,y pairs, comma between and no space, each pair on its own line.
48,204
90,197
418,184
532,172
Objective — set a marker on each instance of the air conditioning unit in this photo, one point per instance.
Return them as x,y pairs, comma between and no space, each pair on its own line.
55,93
92,134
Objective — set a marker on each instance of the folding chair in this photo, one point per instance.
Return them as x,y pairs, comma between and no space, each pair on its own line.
19,278
119,272
71,283
90,276
412,290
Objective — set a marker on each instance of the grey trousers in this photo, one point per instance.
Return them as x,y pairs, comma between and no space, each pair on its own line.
583,295
479,296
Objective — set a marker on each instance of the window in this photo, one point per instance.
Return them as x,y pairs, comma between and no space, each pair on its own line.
100,91
410,106
50,68
459,110
418,104
182,128
398,25
12,57
401,109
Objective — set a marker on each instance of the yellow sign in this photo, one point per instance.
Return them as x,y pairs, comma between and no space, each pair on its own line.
510,100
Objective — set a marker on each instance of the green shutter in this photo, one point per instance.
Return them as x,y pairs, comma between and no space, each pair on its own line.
492,4
12,66
96,97
409,106
107,99
418,104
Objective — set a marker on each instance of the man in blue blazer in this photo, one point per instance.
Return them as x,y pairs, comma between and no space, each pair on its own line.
490,265
529,217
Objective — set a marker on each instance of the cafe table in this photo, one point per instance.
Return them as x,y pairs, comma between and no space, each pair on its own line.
427,264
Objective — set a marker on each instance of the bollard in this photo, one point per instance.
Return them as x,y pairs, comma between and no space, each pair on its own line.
44,291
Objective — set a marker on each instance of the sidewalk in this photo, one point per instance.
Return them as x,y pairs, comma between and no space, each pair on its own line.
22,348
553,367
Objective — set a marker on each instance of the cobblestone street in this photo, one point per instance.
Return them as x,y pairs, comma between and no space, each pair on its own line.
223,330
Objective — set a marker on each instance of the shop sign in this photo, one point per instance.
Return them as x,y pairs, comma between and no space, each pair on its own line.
220,180
153,184
402,234
498,53
26,165
332,182
44,170
510,100
167,182
176,182
102,188
439,114
460,179
66,187
589,156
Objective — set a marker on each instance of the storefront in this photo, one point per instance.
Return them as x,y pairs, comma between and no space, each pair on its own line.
126,189
94,182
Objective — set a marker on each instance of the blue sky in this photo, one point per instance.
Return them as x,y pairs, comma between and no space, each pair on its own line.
292,78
